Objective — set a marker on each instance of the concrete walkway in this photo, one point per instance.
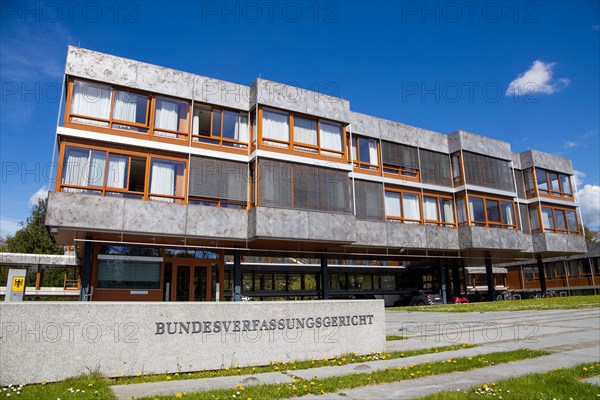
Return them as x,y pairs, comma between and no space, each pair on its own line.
572,335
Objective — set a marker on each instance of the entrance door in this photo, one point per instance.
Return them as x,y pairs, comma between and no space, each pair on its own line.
191,281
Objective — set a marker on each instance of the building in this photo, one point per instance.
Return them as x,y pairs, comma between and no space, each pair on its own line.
174,186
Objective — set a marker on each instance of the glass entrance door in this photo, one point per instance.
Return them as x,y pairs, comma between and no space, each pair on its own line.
191,281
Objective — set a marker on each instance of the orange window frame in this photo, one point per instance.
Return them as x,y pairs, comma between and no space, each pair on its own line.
487,223
219,140
358,164
438,198
556,229
551,193
145,195
402,218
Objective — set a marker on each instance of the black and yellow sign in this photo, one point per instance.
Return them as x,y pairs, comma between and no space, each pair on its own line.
18,284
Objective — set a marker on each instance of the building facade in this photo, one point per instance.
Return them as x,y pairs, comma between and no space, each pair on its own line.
179,187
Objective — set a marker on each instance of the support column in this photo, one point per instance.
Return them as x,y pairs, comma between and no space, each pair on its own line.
237,276
541,273
324,277
86,271
442,275
456,286
489,273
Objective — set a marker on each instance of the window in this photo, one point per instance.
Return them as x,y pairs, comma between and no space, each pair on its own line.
167,180
456,169
127,110
219,183
492,213
303,187
529,273
365,153
435,168
559,220
99,171
121,274
369,200
400,160
573,266
171,118
285,130
402,206
552,184
487,171
438,210
220,127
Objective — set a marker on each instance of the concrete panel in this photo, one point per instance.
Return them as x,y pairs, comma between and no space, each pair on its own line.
155,217
479,144
431,140
399,133
371,233
476,237
441,238
51,341
363,124
558,243
84,211
405,235
216,222
332,227
516,159
292,98
280,223
107,68
535,158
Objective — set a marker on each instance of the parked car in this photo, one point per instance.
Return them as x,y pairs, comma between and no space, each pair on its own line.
418,298
458,299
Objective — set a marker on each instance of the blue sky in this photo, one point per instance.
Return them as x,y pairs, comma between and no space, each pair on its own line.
437,65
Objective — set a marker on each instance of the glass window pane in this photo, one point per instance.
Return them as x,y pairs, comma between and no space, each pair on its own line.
547,218
565,183
572,221
166,178
170,115
305,131
410,206
446,210
116,176
130,107
476,208
310,282
430,208
533,219
276,125
508,215
392,204
280,283
331,136
561,222
91,100
553,176
120,274
493,211
201,122
461,210
216,123
540,176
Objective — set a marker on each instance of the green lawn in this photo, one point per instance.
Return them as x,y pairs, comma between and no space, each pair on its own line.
300,387
558,384
556,303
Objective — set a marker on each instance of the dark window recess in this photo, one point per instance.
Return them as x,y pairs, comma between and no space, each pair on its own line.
303,187
435,168
488,172
369,200
398,158
218,179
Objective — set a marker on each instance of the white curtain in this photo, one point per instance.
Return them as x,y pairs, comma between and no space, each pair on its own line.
507,210
430,208
410,203
392,204
354,153
447,212
305,131
275,126
92,100
373,156
96,171
331,136
461,211
116,176
166,117
83,167
162,180
241,129
125,106
547,218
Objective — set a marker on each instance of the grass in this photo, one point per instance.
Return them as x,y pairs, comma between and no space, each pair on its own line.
556,303
557,384
276,366
389,338
300,387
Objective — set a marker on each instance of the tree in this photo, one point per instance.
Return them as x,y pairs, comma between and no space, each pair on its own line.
33,236
591,235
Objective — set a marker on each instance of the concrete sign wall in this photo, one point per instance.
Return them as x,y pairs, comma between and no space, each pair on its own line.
55,340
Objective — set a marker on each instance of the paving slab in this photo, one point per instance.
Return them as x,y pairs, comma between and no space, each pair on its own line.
454,381
595,380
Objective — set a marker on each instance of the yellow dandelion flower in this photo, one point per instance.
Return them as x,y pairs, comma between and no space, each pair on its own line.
169,377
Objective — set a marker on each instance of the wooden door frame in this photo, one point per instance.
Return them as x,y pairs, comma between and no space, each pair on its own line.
192,263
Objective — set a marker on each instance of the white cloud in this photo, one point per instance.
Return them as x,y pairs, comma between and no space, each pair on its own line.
579,177
41,193
569,144
8,227
596,28
589,200
537,79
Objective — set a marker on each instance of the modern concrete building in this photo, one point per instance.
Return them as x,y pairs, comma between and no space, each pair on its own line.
175,186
